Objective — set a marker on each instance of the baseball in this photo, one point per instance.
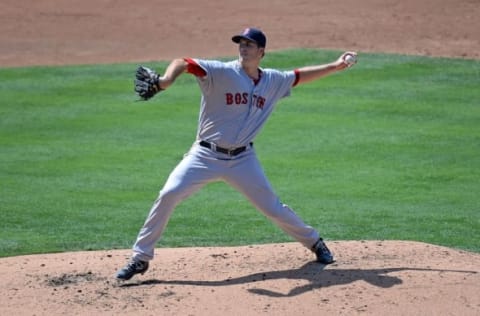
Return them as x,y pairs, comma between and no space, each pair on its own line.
350,59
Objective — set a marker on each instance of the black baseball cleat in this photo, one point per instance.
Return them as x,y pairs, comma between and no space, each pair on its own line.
323,253
133,267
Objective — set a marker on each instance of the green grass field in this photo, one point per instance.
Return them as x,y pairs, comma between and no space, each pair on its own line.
389,150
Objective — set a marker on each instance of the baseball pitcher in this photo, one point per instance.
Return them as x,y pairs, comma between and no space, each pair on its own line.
237,98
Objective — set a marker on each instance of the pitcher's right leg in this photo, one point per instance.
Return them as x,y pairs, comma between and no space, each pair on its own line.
248,178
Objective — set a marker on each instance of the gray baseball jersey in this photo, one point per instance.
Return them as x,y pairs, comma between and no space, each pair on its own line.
233,109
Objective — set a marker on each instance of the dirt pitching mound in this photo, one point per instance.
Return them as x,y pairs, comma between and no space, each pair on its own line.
371,278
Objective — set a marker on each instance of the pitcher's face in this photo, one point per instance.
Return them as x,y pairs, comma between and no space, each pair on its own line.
249,51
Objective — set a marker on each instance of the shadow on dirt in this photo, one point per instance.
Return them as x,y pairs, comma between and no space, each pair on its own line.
312,272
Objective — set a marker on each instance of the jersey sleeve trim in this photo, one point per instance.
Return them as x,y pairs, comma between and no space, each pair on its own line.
297,77
194,68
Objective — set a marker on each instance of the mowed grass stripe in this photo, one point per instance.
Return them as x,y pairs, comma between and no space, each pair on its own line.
388,149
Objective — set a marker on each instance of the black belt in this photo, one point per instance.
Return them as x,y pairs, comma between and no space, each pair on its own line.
230,152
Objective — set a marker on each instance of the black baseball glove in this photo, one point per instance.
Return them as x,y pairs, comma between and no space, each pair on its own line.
146,83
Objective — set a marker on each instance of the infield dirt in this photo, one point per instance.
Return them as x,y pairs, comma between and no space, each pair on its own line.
369,277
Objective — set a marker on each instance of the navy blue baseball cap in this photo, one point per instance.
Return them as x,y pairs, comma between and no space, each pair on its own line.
252,34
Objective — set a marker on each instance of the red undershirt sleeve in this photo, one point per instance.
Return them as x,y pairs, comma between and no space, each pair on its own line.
194,68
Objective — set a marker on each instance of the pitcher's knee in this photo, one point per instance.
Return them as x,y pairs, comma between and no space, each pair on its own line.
274,209
172,195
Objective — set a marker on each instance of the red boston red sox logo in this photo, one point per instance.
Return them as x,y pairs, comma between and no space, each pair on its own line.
243,98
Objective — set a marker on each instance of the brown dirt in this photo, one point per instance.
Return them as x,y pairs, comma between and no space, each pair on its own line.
369,278
107,31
